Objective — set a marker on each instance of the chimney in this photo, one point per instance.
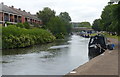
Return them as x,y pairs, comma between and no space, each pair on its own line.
12,6
24,10
2,3
29,12
19,9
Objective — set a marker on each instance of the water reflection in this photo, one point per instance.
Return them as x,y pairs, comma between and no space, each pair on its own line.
32,49
56,58
58,47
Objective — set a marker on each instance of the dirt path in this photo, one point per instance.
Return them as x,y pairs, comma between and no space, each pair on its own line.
104,64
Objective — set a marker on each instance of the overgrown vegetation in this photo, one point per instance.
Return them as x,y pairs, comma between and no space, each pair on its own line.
16,37
24,25
45,15
110,19
58,25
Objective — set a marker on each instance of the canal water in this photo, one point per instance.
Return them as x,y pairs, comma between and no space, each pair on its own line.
56,58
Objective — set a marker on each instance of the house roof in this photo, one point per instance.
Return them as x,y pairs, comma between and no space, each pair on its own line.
6,9
25,14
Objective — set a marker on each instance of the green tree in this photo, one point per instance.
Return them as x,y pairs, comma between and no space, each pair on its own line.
97,25
107,17
68,27
84,24
65,16
56,26
116,14
110,18
46,14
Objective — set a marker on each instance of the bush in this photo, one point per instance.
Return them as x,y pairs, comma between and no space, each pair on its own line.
16,37
20,25
59,36
26,25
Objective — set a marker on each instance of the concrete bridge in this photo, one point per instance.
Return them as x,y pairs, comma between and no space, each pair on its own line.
82,29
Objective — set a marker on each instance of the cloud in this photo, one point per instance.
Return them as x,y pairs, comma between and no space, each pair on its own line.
79,10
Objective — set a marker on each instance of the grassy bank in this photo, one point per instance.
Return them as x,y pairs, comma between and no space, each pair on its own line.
112,36
107,35
16,37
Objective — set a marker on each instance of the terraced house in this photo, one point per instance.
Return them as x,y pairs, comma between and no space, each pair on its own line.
14,15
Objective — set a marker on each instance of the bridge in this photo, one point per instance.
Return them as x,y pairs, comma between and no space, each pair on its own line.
76,27
82,28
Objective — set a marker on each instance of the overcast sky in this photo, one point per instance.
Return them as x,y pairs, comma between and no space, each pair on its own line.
79,10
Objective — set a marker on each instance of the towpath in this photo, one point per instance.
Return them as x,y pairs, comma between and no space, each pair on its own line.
104,64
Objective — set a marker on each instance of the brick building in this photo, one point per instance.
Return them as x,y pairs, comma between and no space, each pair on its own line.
14,15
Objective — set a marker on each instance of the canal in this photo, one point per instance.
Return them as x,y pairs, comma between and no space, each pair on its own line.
56,58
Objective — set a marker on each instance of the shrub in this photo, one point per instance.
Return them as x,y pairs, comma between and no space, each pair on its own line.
16,37
26,25
20,25
23,25
59,36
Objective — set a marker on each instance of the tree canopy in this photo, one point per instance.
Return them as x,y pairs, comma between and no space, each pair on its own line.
110,19
58,25
65,16
46,14
96,25
84,24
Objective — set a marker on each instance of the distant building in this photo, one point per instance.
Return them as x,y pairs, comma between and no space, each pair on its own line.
75,24
14,15
76,27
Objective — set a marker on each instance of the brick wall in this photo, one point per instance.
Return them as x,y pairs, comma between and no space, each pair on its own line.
1,16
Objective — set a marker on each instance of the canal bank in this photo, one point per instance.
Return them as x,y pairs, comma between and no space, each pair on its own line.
57,58
104,64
